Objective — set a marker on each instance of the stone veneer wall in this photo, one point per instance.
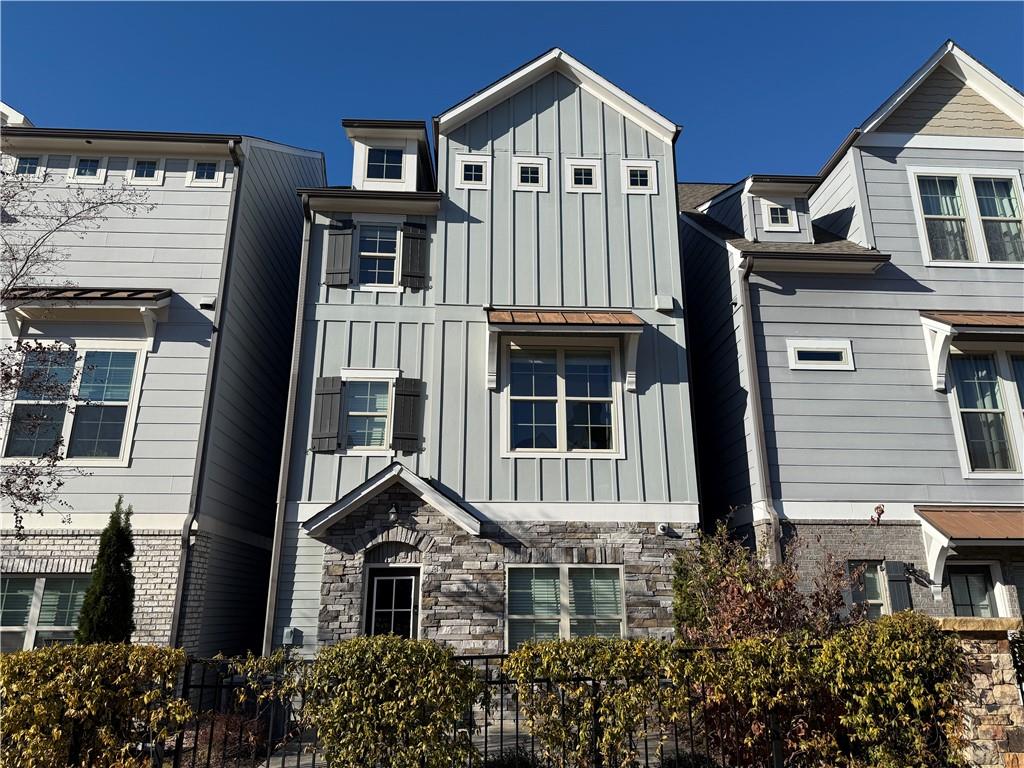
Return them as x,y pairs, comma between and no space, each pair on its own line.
59,550
463,576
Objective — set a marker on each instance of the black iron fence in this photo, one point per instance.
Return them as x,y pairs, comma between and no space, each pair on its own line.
233,727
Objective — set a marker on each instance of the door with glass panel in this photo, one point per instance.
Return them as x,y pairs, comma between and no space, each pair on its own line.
393,602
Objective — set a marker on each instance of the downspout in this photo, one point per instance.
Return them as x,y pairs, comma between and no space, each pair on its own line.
289,428
212,370
773,553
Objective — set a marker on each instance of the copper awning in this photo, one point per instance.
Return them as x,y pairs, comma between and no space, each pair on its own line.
978,320
976,523
561,317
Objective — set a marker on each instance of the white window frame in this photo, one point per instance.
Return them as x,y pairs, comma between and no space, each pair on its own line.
156,181
564,616
561,345
976,243
883,582
101,170
651,166
789,203
141,349
216,182
378,220
32,628
793,346
1011,406
572,163
40,167
461,160
399,147
520,160
387,375
1000,593
367,597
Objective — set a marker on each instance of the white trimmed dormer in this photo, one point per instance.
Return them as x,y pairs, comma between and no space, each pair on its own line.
766,208
389,155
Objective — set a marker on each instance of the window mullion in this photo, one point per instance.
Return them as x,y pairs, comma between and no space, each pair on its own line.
33,613
561,415
563,599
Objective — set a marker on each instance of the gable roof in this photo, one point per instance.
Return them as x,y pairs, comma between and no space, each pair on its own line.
557,60
369,489
965,67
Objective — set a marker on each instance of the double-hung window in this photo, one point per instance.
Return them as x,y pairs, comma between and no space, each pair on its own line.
39,610
562,400
563,601
83,400
366,413
945,219
984,420
999,209
868,586
378,254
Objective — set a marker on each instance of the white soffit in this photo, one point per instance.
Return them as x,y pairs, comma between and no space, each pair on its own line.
586,78
963,66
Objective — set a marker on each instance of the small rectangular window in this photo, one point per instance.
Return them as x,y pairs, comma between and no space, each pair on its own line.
563,601
983,416
145,169
378,254
1000,219
868,586
366,413
88,167
820,354
206,171
383,163
27,166
971,588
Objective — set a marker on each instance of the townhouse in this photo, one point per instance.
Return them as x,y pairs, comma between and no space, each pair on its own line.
860,360
489,428
181,316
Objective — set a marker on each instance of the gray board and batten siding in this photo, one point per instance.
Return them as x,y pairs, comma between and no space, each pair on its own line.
500,247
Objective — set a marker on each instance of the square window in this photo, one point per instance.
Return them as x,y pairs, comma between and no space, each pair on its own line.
205,171
27,166
778,215
88,167
639,178
529,175
384,164
583,176
145,169
473,172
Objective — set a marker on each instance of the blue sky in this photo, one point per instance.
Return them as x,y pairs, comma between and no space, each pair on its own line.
758,87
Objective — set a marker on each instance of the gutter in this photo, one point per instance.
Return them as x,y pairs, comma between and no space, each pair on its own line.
773,553
289,428
213,368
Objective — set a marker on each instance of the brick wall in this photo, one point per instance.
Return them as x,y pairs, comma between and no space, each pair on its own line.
192,593
155,566
463,576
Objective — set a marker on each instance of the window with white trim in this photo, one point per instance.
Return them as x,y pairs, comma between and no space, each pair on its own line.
529,174
582,175
562,399
88,170
87,406
945,219
984,426
205,173
28,165
392,601
639,177
146,171
820,354
972,590
36,611
778,214
378,254
1000,213
563,601
472,171
868,586
384,163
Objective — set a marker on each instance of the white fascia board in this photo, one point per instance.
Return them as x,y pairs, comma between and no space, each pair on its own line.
940,141
964,66
586,78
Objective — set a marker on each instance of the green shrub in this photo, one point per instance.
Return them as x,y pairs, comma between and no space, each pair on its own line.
899,684
390,702
87,705
109,602
569,714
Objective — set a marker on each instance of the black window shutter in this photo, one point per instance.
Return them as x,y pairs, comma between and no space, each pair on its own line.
406,434
899,585
415,258
327,413
338,269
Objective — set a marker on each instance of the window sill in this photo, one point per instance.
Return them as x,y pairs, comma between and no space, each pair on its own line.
382,452
379,288
993,475
508,454
976,264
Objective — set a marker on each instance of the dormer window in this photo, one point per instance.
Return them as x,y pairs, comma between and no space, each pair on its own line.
384,164
473,171
779,215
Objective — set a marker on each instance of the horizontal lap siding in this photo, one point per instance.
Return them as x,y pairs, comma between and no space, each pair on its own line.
834,204
880,432
298,596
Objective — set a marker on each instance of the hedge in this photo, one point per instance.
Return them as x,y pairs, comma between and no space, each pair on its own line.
86,705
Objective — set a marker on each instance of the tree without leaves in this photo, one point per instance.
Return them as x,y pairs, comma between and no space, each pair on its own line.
38,221
110,600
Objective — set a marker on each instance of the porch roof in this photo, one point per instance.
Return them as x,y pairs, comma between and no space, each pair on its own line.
976,523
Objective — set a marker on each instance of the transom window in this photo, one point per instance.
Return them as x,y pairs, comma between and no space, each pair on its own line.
145,169
89,416
366,413
944,219
820,354
205,171
27,166
1000,214
382,163
378,254
867,586
561,400
563,601
529,175
971,588
983,417
39,610
393,602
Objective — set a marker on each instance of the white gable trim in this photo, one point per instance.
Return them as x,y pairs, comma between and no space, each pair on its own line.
964,66
587,79
395,473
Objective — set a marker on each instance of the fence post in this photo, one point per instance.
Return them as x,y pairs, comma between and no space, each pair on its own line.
778,758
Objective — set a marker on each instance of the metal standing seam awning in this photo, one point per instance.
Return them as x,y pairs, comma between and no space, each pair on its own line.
941,326
35,302
534,320
945,528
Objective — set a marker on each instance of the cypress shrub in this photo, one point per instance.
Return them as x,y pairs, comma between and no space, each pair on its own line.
110,600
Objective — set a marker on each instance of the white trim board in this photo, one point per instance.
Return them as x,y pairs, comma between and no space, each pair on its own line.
557,60
930,141
563,511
